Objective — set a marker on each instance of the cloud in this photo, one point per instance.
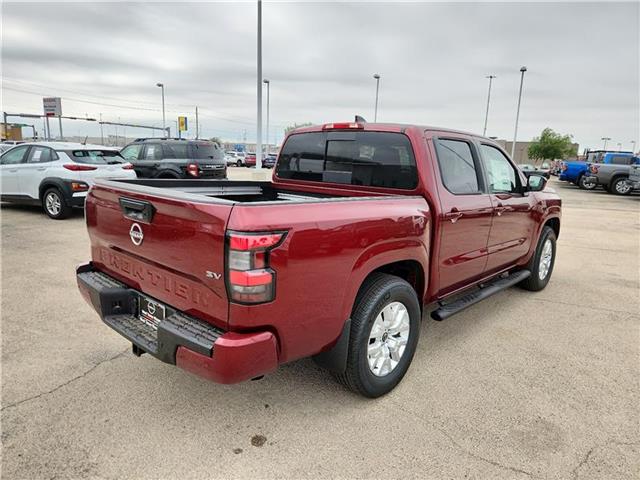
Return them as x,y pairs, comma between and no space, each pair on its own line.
582,61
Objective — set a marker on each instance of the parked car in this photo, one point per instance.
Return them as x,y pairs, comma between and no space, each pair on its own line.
176,158
577,172
613,177
234,158
269,161
634,177
57,175
363,227
250,160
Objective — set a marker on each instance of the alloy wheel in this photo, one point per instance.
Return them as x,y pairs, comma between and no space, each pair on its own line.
388,339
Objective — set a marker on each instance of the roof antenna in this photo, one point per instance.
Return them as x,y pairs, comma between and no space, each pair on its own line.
360,119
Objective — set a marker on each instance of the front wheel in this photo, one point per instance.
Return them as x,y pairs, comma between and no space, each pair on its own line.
541,264
620,186
54,204
385,327
239,163
586,185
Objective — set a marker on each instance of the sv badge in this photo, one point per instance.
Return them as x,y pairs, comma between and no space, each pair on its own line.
213,275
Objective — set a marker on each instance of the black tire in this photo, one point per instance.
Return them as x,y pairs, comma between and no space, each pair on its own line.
378,292
606,188
239,163
586,186
54,204
167,175
619,186
534,283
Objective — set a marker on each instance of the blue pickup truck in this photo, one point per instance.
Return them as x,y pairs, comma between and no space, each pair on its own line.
578,171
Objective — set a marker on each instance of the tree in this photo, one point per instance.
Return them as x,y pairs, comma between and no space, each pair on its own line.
296,125
551,146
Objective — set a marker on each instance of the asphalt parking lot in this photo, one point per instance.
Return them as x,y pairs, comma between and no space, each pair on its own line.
522,385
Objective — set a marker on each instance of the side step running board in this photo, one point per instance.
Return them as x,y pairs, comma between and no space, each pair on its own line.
493,287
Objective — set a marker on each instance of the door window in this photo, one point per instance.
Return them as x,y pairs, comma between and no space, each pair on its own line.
457,166
41,155
621,160
153,152
502,175
14,156
132,152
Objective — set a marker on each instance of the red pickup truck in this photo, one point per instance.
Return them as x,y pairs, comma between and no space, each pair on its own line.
362,229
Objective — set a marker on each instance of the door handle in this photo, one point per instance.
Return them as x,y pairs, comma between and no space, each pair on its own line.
500,209
42,169
13,171
454,215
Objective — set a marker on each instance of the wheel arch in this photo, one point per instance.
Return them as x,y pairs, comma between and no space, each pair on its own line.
53,182
554,223
409,269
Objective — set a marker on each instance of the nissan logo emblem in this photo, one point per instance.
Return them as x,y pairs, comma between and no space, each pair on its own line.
135,232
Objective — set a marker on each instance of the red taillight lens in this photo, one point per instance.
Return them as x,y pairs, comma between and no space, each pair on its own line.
250,280
342,126
193,170
75,167
564,167
127,166
593,168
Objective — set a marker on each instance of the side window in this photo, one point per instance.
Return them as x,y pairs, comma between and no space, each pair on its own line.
132,152
14,156
457,166
153,152
176,150
41,155
621,160
502,175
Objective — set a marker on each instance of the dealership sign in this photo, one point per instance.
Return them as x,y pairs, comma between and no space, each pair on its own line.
52,106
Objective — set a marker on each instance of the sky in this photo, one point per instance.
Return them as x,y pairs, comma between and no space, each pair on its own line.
105,59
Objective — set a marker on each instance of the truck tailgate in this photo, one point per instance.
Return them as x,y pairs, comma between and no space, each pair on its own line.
175,257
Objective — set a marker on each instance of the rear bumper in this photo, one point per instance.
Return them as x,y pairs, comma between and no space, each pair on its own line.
182,340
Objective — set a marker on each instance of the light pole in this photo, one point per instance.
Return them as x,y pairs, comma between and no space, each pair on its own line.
375,114
161,85
259,79
101,131
619,146
606,139
486,116
515,133
633,146
267,83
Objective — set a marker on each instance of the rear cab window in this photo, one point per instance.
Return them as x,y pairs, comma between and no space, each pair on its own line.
96,157
370,159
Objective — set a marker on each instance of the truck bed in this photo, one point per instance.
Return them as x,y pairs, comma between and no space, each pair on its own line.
225,191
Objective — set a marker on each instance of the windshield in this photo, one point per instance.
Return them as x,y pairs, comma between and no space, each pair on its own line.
96,157
207,150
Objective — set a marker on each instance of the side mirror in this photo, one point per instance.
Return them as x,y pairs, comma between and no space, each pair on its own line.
536,183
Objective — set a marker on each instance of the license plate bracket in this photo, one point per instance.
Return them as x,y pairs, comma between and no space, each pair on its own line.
151,312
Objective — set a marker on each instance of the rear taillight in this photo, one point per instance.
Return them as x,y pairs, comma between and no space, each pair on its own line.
127,166
594,168
250,279
564,167
75,167
193,170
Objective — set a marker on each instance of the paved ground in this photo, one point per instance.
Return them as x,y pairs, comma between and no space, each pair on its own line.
523,385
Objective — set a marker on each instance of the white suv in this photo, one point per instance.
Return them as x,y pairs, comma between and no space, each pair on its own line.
57,175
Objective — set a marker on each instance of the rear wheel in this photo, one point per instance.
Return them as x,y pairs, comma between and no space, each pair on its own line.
620,186
54,204
585,185
385,327
239,163
542,261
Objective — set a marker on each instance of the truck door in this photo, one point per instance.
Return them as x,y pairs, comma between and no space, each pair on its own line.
466,213
514,221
